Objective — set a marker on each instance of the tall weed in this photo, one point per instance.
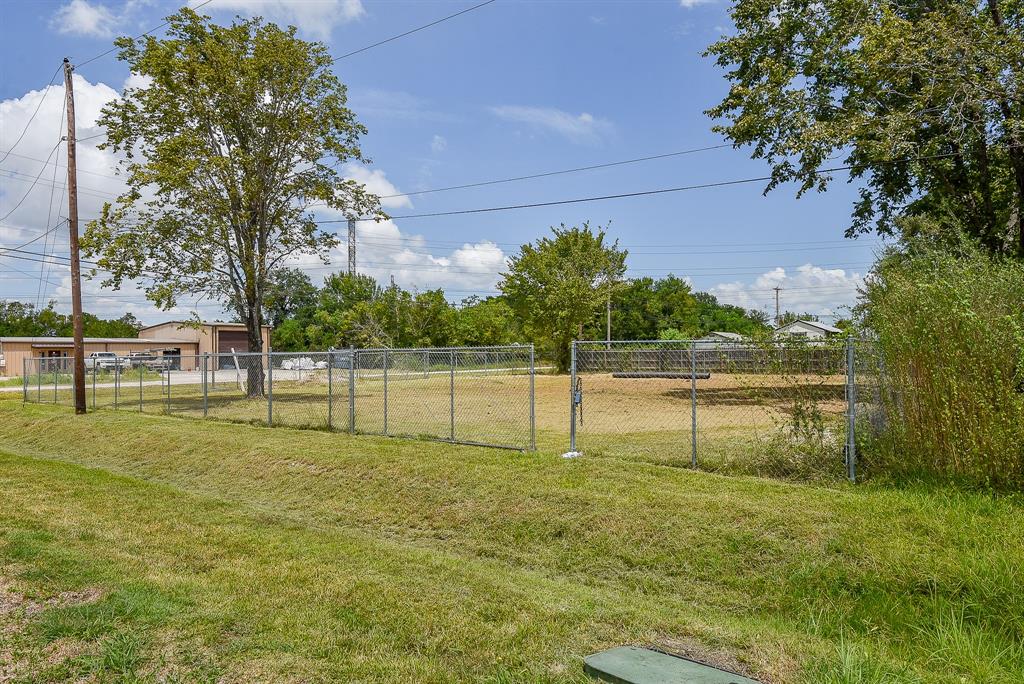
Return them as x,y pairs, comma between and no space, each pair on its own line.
949,377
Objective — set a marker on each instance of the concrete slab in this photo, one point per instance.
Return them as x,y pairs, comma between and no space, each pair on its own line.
633,665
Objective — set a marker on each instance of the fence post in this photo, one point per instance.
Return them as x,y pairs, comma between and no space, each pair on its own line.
55,367
330,390
206,388
94,387
270,388
167,372
141,367
851,411
39,380
452,393
117,385
533,403
24,380
352,390
386,359
693,403
572,398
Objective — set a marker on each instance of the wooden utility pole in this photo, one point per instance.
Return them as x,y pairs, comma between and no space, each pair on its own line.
608,320
76,270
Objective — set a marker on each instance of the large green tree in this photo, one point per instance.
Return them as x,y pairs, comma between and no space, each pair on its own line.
924,99
290,294
556,285
238,133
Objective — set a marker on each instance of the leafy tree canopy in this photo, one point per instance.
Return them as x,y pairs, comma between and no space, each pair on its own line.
289,292
938,83
556,285
237,135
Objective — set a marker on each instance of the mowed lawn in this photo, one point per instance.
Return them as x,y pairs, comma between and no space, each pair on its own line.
146,548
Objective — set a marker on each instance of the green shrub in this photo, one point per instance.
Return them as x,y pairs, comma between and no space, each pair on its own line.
949,378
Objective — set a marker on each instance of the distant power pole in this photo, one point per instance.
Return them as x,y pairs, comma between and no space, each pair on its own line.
608,320
76,270
351,246
778,317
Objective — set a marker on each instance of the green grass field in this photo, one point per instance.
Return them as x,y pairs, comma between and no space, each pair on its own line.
145,548
744,421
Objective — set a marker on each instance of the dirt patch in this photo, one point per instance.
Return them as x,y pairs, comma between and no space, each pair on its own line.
16,613
716,657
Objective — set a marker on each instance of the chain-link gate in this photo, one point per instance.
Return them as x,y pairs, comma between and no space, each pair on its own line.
780,408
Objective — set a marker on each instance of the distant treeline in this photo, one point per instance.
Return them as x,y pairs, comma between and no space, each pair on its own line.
24,320
356,310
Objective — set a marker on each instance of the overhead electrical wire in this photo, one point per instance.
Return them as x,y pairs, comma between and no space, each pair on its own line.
34,113
79,168
623,195
61,260
411,31
547,174
82,63
29,191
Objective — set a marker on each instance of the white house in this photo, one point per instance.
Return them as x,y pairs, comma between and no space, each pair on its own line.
812,330
718,336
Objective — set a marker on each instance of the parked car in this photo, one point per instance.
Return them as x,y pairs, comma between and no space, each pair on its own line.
147,360
104,361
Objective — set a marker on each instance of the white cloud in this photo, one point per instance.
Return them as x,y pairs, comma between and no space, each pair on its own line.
689,4
315,17
140,81
438,144
581,128
395,104
28,159
383,251
79,17
376,182
807,289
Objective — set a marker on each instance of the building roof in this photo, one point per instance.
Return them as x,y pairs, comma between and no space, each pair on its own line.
813,324
725,335
219,324
94,340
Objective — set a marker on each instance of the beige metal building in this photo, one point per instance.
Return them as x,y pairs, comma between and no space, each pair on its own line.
165,339
211,338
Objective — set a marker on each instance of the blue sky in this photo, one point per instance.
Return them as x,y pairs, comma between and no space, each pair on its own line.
513,88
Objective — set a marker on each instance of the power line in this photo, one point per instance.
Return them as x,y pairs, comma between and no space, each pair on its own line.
145,33
37,237
93,192
558,173
29,191
641,193
410,32
41,161
33,117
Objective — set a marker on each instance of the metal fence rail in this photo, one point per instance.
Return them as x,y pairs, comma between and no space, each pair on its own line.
463,395
780,408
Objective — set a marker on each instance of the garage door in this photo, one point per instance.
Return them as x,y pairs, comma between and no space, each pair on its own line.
232,339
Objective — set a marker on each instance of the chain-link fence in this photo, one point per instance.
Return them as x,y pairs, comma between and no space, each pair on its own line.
466,395
775,408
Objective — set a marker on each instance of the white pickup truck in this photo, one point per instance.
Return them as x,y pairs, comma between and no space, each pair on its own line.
104,361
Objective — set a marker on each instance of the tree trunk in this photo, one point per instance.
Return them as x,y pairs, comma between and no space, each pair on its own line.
255,371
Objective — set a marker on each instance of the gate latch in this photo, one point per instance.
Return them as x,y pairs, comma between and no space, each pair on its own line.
577,398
